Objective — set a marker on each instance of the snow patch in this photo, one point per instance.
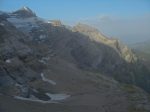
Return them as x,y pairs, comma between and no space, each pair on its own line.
44,60
18,85
25,8
57,97
8,61
42,36
54,98
2,24
47,80
49,22
35,90
33,99
25,24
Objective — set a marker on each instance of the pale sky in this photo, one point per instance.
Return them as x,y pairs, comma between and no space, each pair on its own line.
128,20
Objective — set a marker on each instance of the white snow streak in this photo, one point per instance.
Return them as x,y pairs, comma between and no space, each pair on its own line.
47,80
57,97
33,99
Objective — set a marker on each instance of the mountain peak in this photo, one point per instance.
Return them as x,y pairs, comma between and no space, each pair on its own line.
25,12
56,22
85,28
26,8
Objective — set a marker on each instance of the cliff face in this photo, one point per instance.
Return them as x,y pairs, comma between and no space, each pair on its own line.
96,36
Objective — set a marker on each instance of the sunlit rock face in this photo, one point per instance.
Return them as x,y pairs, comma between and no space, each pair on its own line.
97,36
55,22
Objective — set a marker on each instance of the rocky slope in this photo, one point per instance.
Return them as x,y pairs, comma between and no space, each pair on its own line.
68,70
98,37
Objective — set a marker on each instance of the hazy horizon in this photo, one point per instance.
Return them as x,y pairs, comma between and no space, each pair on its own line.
127,20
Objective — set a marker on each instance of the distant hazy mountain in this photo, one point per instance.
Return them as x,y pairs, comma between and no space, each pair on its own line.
130,30
143,51
143,46
47,66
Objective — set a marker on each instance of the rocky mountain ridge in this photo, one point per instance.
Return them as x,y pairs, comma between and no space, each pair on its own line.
95,35
24,12
45,62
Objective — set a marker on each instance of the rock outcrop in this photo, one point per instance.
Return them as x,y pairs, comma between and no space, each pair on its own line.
96,36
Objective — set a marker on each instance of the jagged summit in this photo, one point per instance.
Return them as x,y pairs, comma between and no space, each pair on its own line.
25,8
55,22
85,27
95,35
25,12
90,31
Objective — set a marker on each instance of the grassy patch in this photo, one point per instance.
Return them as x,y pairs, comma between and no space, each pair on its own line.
133,109
129,88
